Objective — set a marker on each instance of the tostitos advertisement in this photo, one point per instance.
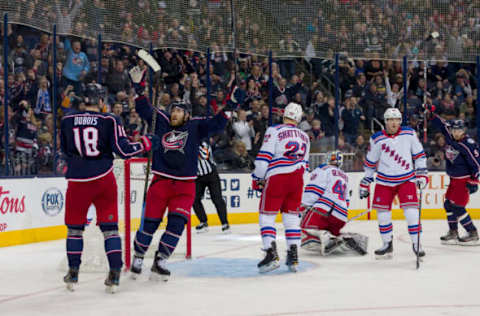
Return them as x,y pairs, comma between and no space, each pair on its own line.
33,209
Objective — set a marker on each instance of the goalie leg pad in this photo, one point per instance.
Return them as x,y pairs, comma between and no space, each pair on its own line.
113,245
310,241
74,245
356,242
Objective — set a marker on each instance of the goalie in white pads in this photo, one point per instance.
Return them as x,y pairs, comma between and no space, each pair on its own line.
325,211
397,156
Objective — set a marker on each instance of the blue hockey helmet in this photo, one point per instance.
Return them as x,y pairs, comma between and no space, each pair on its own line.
457,124
93,94
182,105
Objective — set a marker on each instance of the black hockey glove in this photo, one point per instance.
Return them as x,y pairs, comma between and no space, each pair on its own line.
472,187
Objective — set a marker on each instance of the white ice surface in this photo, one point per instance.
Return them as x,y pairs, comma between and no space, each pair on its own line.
222,279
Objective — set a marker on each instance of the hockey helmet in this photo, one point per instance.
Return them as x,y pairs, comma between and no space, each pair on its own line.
458,124
93,94
392,113
335,158
182,105
293,111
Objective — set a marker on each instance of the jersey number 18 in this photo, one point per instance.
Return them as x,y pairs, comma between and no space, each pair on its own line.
89,138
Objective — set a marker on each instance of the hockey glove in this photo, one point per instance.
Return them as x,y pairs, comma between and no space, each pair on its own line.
429,110
365,187
421,178
258,185
137,76
150,142
472,185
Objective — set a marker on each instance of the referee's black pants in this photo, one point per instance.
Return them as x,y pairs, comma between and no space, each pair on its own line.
212,181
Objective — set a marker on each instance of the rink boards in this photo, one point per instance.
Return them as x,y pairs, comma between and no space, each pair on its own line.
32,210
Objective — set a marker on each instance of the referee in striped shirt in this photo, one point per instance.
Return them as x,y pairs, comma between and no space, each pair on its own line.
207,176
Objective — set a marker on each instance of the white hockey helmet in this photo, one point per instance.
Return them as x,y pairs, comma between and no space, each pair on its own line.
335,158
392,113
293,111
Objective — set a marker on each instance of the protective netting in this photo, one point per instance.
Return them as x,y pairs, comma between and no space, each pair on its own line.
384,29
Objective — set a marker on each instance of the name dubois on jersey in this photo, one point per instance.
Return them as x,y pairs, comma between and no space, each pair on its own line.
85,120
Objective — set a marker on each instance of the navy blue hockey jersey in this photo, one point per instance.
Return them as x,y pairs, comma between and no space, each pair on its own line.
177,155
88,140
463,157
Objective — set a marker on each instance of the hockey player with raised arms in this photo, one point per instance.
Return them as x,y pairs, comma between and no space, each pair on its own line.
279,169
88,139
462,166
325,205
397,156
174,168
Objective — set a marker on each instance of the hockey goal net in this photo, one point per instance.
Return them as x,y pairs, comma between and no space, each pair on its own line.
130,175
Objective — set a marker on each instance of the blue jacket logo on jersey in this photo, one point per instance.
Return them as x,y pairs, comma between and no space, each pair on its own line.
451,153
174,140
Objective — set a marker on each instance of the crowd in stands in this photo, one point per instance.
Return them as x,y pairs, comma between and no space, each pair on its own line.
368,86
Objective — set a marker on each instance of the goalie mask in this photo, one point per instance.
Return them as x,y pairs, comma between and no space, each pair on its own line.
335,158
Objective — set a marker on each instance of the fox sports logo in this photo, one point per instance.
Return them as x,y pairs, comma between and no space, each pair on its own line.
52,201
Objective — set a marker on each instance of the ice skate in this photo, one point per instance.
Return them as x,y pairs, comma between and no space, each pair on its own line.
136,267
202,228
292,258
271,260
421,252
226,229
451,238
71,279
112,281
159,271
470,239
386,252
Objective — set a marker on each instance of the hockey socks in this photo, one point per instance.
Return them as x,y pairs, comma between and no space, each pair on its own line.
457,213
113,245
411,215
74,246
466,221
385,225
267,229
144,236
171,236
291,222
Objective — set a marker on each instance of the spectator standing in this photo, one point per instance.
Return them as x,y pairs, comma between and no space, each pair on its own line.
76,67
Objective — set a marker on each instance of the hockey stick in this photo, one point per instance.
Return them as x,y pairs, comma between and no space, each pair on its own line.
419,228
152,63
362,213
425,102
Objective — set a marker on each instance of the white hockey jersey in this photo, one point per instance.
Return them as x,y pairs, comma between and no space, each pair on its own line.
328,189
285,149
395,157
